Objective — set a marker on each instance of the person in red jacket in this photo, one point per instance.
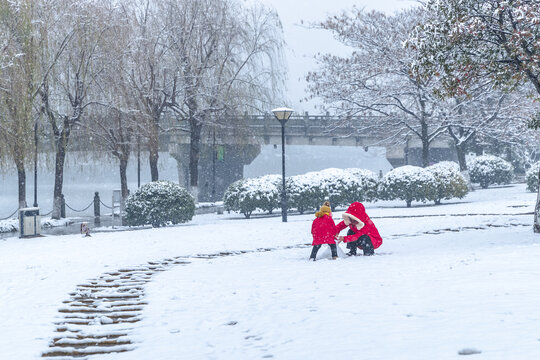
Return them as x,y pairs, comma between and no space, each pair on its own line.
362,232
323,230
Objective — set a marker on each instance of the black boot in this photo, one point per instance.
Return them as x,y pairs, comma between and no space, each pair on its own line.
367,246
333,248
353,245
314,252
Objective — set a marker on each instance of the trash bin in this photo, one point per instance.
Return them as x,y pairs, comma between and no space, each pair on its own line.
29,222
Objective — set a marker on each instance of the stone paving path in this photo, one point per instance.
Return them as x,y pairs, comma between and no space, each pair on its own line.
99,315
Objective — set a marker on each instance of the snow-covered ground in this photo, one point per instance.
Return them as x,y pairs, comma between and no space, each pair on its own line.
450,279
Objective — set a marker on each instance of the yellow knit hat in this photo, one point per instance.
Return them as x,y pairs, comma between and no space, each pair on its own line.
325,209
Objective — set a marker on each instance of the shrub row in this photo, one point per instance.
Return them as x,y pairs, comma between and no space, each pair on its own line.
163,202
341,187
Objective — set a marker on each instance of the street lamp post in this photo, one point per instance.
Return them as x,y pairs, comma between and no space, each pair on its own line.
282,115
35,161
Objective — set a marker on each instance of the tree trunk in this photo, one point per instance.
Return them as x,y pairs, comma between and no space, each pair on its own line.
154,157
194,154
425,145
21,173
425,153
409,203
61,146
536,225
18,157
154,150
461,151
425,136
123,178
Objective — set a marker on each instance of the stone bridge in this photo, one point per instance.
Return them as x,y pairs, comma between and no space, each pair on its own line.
225,151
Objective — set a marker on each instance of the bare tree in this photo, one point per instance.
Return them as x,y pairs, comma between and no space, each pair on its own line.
17,85
226,59
495,40
73,33
148,71
112,120
375,81
485,114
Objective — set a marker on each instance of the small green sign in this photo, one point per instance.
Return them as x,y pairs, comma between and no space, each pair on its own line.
220,153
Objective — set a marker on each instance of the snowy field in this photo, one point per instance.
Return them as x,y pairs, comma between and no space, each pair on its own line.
450,280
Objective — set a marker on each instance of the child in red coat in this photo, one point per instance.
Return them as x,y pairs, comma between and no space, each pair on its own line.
324,231
362,231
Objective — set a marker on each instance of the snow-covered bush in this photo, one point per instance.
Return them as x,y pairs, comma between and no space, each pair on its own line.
363,186
231,197
340,186
532,177
248,195
304,192
487,169
159,203
408,183
450,182
334,183
9,225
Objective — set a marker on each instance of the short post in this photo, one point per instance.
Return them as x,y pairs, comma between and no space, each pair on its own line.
116,203
97,218
63,207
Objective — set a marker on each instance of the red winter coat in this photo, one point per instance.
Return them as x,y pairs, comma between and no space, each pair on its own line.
323,230
358,212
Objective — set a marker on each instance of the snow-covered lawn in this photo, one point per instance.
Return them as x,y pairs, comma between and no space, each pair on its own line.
460,277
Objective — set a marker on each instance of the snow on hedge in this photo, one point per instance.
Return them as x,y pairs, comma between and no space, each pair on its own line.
305,192
248,195
488,169
450,181
366,185
339,186
9,225
408,183
159,203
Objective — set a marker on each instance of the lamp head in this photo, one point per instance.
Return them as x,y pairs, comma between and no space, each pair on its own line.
282,113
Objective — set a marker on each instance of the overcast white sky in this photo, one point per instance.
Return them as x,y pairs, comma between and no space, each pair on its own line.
303,44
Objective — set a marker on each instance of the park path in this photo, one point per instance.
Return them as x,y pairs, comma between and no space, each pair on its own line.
100,314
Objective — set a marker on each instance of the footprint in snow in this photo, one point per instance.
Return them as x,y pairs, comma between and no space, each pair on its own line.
469,351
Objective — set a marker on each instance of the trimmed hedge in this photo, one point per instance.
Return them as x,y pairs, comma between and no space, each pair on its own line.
450,182
159,203
364,187
248,195
305,192
339,186
487,170
408,183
